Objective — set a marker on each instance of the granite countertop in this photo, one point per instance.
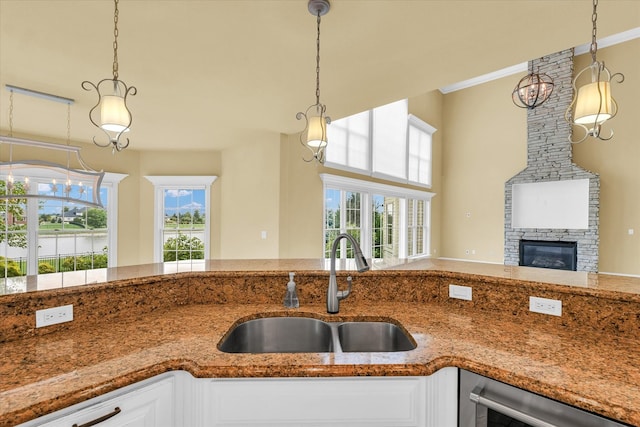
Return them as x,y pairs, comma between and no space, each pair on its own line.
598,373
561,358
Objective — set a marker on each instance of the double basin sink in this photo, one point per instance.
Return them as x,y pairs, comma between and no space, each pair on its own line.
308,335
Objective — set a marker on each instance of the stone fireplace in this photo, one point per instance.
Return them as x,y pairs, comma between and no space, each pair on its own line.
549,160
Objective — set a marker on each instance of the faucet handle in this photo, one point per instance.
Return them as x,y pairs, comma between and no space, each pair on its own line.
343,294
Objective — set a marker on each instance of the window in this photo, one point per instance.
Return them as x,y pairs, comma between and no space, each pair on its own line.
182,220
61,242
389,222
417,228
385,142
420,147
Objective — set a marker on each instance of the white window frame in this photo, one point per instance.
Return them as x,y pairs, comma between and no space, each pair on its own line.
168,182
425,127
367,189
110,180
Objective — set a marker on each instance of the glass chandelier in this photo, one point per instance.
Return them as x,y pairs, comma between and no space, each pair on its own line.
111,113
592,103
314,135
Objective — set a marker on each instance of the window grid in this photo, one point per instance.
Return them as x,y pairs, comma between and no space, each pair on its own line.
184,224
396,226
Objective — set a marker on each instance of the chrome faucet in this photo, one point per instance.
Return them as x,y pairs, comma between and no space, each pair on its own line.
333,295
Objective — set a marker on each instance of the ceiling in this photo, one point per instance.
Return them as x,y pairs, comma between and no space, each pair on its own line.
212,73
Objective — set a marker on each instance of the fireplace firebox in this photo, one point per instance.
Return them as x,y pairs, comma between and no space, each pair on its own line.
549,254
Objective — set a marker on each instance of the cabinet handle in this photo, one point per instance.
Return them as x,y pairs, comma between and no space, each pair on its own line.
477,397
115,412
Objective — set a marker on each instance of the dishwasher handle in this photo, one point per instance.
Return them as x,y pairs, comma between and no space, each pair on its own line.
477,397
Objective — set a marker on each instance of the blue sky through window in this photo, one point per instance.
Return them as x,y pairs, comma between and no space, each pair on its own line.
184,200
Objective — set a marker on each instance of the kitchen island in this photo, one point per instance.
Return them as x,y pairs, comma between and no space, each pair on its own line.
142,324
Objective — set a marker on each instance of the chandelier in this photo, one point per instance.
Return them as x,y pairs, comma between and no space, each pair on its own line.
532,90
111,113
314,135
43,179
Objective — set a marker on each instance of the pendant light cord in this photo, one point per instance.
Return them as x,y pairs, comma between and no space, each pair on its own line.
115,41
594,44
318,62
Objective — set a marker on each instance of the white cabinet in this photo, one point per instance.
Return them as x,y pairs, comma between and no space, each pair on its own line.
323,402
177,399
147,404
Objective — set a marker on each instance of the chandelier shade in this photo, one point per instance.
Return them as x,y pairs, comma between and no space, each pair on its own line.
594,104
317,132
114,115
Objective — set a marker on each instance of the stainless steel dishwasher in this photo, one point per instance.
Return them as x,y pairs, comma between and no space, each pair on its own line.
484,402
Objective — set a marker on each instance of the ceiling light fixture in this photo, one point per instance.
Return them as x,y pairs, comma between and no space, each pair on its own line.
592,103
314,135
532,90
113,117
25,179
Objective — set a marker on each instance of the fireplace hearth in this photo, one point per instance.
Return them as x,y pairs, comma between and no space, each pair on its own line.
545,254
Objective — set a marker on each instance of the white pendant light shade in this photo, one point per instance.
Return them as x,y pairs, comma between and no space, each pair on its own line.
317,132
593,104
114,115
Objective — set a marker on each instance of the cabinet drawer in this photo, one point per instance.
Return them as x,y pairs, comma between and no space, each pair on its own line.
147,406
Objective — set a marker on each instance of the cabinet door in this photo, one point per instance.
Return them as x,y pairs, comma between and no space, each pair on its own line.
317,402
148,406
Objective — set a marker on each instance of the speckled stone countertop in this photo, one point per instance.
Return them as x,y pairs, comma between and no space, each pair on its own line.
569,359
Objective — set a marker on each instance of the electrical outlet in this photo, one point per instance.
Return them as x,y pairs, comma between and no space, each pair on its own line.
54,315
460,292
545,306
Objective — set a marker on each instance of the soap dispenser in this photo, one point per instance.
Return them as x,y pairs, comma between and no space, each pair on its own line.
291,298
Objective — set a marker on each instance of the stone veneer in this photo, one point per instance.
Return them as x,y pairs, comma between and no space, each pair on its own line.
549,159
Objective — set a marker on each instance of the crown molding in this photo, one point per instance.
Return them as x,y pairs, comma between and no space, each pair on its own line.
614,39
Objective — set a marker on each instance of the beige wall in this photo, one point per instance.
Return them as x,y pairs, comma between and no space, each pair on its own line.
485,144
250,194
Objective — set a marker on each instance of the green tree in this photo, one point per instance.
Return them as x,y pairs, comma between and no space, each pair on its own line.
12,212
96,218
182,248
185,218
197,218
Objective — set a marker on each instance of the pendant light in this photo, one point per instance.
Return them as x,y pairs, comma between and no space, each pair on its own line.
592,103
111,113
532,90
314,135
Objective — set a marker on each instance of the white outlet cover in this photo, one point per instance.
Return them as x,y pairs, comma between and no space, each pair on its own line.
545,306
54,315
460,292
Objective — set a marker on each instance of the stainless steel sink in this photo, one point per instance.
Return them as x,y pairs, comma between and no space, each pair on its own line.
279,335
307,335
372,337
